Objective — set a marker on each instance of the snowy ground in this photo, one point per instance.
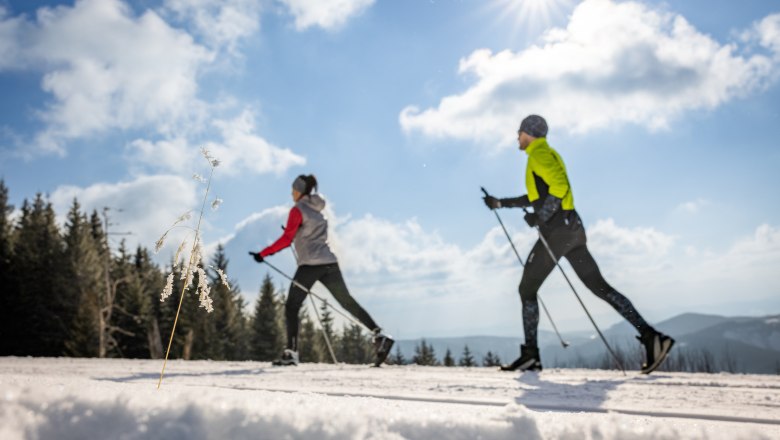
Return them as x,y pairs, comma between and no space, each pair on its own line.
118,399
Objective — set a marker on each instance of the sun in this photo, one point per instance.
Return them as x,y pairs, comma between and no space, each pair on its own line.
531,16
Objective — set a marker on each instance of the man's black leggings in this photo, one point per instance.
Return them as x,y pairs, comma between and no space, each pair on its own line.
330,276
568,241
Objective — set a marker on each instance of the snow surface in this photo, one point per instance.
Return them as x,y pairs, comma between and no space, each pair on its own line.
117,399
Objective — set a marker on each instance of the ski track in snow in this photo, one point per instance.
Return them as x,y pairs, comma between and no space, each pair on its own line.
45,398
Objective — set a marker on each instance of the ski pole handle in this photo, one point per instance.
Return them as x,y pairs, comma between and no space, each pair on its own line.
484,190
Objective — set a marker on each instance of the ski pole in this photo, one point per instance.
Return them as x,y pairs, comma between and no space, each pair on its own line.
517,254
601,335
300,286
317,314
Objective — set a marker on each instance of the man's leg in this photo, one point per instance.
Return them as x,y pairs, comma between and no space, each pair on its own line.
537,268
656,344
588,271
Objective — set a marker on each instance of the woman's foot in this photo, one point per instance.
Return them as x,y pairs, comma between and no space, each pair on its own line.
289,358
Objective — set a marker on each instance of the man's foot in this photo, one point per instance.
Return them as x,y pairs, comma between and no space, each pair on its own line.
382,345
289,358
657,346
528,360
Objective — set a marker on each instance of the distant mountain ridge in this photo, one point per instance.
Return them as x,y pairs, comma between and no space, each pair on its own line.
736,344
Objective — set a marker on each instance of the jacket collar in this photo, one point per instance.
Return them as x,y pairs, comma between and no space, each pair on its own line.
536,144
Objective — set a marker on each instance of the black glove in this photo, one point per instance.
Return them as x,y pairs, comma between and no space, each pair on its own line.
492,202
531,218
256,256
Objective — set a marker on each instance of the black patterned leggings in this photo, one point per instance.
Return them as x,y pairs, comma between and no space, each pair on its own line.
330,276
568,241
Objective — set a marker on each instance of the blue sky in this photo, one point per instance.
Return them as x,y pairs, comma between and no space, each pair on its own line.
666,115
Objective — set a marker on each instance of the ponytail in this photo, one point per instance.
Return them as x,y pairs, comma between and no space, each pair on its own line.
305,184
311,184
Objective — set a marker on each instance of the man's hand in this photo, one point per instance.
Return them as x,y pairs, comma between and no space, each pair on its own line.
257,257
531,218
492,202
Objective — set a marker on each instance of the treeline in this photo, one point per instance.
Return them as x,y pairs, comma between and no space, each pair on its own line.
65,292
424,354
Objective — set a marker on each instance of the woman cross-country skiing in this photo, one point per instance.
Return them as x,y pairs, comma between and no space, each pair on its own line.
307,231
550,195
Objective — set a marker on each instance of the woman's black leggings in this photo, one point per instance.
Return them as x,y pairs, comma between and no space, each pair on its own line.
568,241
330,276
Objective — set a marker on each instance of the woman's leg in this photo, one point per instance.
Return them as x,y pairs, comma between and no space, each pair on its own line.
306,276
334,281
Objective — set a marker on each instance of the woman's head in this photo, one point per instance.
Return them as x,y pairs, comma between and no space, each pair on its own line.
303,185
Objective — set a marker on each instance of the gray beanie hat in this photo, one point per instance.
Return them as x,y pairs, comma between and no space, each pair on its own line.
534,125
299,184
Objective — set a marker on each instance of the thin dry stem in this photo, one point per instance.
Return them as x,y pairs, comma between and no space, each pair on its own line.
189,266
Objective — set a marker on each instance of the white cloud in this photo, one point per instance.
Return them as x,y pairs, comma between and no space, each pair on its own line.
615,63
242,149
768,32
327,14
146,206
239,150
606,237
10,28
106,68
174,155
221,23
693,206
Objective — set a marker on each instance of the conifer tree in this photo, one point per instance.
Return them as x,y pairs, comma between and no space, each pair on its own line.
424,354
11,307
191,338
491,360
151,281
84,269
354,346
308,349
467,359
43,314
132,307
267,339
203,339
397,358
229,319
448,360
326,316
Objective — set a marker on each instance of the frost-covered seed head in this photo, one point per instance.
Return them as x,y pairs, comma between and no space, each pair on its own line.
168,290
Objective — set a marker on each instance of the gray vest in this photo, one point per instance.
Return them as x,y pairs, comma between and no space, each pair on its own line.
311,240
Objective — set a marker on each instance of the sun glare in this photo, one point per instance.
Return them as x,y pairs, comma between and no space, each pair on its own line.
531,16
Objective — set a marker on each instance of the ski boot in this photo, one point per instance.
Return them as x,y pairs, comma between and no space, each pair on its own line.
528,360
289,358
382,345
657,346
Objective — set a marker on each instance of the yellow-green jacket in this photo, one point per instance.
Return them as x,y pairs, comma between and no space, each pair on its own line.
545,174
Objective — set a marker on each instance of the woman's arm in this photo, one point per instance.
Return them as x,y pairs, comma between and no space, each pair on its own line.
294,221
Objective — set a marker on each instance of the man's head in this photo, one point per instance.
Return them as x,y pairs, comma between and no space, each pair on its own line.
532,127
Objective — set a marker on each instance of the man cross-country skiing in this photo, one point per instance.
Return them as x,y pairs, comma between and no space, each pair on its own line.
307,230
550,195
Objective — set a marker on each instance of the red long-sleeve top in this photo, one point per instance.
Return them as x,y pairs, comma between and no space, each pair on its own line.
294,221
